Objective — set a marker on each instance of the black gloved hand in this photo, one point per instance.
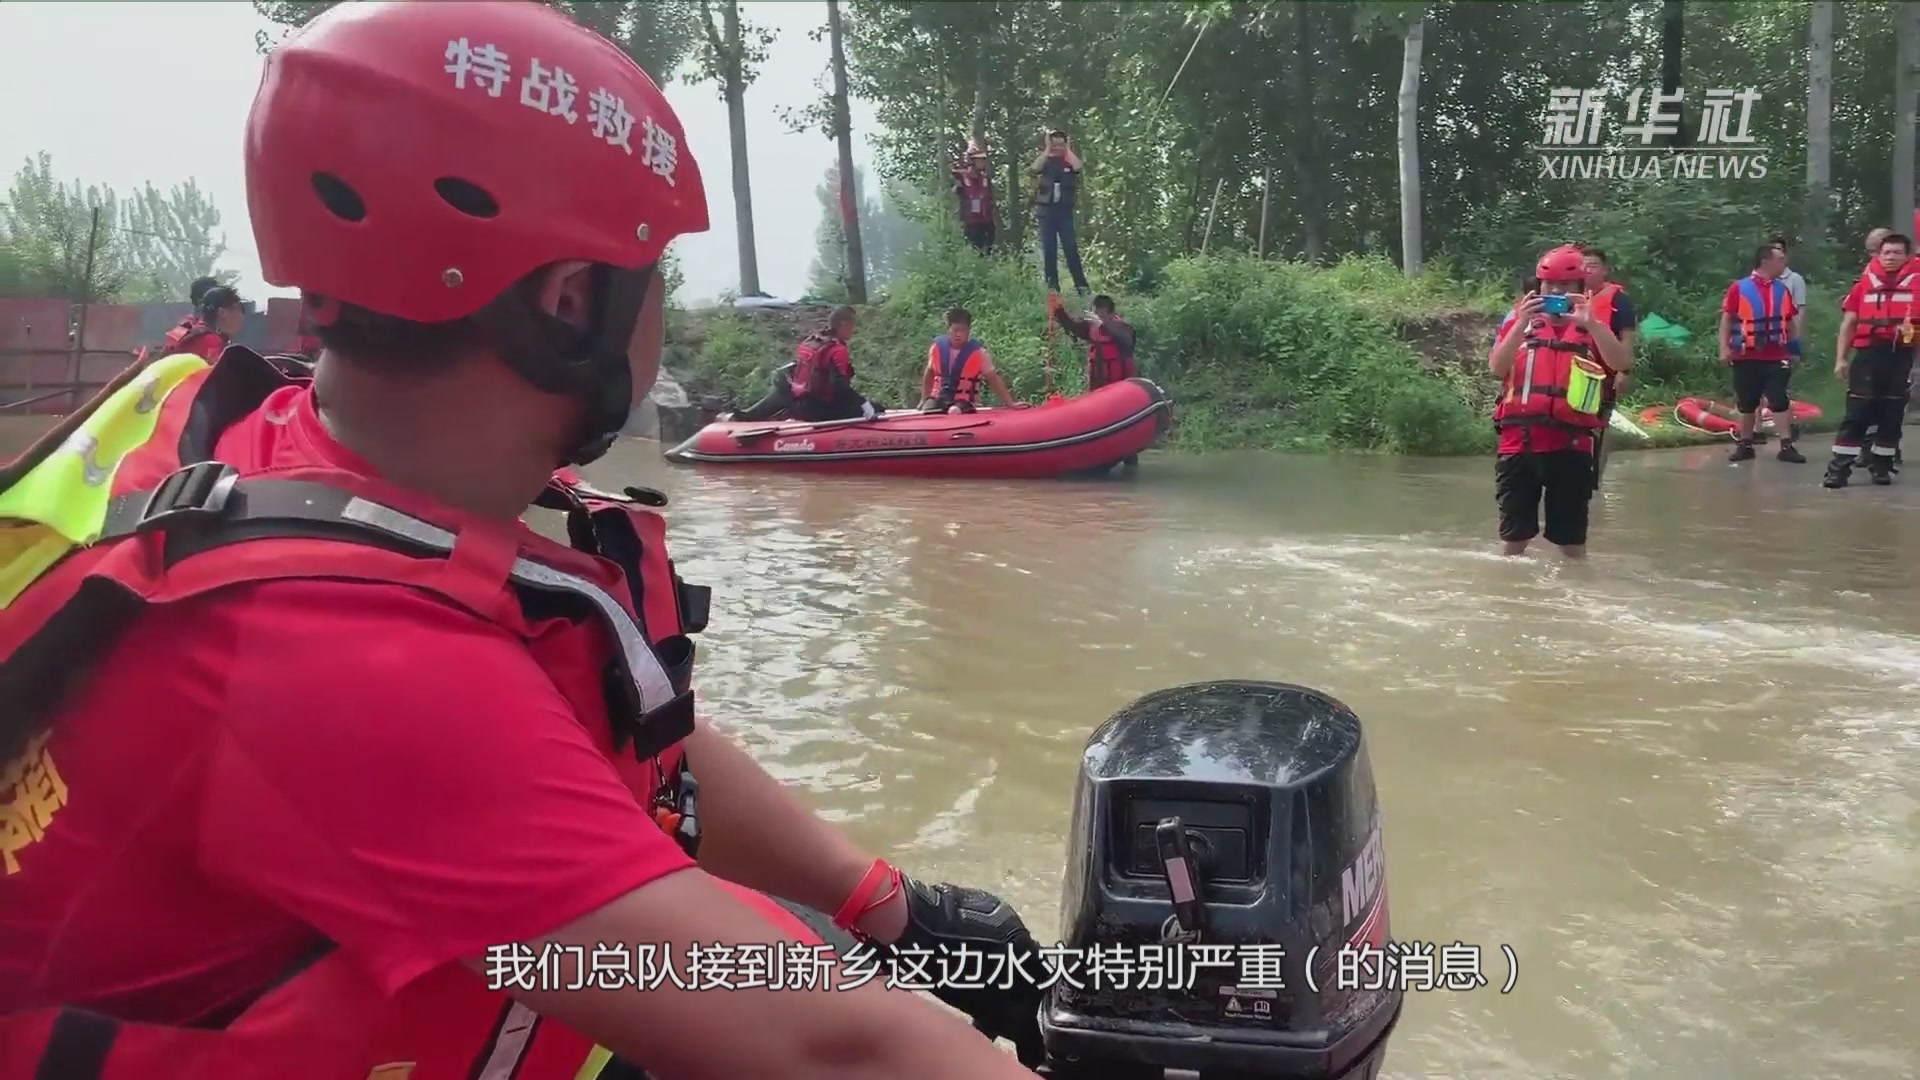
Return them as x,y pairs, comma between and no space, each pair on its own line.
971,950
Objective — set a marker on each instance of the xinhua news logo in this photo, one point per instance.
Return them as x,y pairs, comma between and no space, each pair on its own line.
1574,143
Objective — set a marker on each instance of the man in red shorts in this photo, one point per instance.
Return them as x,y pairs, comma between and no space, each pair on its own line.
306,731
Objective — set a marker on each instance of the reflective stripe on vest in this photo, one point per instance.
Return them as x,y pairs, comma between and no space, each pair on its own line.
959,373
1556,380
67,495
1885,303
1761,321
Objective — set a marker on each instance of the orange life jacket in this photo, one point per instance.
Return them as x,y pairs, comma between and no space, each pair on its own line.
1763,315
1107,362
959,382
185,525
196,337
976,198
816,358
1535,391
1601,303
1887,309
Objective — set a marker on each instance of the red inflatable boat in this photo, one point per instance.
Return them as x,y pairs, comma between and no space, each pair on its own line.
1065,436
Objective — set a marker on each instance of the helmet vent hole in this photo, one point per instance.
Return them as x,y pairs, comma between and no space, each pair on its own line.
338,197
469,198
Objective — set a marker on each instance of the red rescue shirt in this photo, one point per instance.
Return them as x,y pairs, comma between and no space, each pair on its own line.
253,771
1541,438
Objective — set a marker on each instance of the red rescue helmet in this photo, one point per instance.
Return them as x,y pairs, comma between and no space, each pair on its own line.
416,160
1564,263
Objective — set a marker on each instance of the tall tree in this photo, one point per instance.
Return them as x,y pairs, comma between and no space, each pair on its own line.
1817,219
63,236
843,135
1906,95
734,50
171,238
1408,113
890,235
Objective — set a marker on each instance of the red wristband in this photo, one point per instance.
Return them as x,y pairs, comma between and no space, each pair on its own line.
858,904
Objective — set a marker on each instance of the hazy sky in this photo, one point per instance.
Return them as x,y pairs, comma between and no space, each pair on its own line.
125,93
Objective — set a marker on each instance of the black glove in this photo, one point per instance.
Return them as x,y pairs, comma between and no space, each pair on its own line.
970,949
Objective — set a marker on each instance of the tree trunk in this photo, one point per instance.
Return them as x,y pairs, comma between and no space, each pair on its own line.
1410,246
736,93
1906,61
1673,36
1266,205
843,134
1302,157
977,130
1819,212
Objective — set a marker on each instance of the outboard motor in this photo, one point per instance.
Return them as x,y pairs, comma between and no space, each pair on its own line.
1230,829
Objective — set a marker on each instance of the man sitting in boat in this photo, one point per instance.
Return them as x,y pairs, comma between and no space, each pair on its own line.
818,385
822,377
1109,340
956,366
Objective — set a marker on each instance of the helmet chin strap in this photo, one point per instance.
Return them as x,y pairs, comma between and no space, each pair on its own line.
589,365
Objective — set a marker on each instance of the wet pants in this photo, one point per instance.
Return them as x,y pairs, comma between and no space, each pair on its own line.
842,406
778,400
1056,233
1877,390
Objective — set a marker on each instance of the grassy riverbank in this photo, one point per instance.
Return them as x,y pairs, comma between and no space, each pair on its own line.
1256,355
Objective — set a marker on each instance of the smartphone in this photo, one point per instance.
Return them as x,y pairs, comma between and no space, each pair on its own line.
1556,304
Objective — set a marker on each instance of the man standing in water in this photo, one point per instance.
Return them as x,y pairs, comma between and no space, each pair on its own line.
1057,172
1554,358
1757,320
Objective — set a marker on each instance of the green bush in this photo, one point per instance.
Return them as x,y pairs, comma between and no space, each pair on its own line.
1265,355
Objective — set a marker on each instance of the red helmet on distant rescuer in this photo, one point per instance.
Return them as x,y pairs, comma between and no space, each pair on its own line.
487,104
1564,263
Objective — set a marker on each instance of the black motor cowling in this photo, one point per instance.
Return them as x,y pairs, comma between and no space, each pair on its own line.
1230,830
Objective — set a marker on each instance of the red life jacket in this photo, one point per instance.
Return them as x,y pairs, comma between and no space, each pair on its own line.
1106,361
174,507
1536,389
976,198
959,371
818,356
195,337
1887,310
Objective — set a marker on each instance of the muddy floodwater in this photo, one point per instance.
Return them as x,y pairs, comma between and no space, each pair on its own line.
1678,782
1682,782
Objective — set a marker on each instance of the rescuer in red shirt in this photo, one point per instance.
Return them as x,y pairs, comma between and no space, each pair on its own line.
334,728
1554,358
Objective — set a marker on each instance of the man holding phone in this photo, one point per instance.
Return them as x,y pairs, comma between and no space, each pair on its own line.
1056,172
1554,358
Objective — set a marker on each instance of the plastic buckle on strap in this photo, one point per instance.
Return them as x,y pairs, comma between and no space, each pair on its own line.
200,489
